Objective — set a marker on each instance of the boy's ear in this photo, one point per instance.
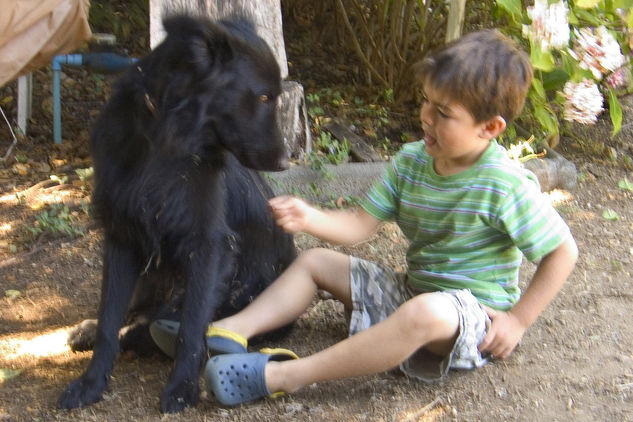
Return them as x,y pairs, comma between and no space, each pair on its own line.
493,127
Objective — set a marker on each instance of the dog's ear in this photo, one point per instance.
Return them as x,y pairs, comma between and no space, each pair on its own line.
208,42
213,48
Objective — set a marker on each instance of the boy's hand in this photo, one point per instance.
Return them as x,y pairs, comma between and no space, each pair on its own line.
504,334
290,213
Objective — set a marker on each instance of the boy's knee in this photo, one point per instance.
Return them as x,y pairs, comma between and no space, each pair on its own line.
329,270
316,262
312,258
427,313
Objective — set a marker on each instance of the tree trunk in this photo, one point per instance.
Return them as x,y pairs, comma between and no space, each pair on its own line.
267,16
456,13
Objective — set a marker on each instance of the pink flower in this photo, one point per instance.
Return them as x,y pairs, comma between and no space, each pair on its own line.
583,101
618,78
598,51
549,28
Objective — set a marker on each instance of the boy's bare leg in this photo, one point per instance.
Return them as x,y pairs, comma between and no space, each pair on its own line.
292,293
426,320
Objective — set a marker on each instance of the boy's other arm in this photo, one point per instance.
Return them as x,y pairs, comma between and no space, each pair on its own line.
508,327
341,227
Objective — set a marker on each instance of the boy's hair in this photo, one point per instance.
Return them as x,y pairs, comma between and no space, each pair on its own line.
484,71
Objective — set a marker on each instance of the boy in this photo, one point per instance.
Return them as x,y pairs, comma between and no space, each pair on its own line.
468,213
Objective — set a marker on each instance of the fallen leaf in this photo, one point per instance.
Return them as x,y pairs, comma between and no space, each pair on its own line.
610,215
625,185
6,374
21,169
12,294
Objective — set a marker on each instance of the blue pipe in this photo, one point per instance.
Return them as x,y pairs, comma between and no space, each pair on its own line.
98,62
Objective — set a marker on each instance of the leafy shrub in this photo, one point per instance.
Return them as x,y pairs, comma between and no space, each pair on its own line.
580,52
128,21
55,219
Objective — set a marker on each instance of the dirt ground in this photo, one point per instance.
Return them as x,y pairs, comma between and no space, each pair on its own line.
575,362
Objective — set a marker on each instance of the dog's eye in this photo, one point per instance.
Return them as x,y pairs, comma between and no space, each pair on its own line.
264,98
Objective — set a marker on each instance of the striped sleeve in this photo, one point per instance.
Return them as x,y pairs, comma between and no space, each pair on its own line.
381,200
534,226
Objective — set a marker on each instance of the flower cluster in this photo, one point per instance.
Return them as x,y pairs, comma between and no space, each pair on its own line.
549,28
620,77
583,101
598,51
594,49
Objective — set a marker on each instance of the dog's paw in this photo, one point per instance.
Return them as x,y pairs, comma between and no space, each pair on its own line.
82,337
176,397
82,392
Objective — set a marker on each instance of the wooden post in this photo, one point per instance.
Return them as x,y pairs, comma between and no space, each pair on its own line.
25,95
267,15
456,13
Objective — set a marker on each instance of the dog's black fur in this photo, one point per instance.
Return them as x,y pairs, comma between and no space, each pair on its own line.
186,223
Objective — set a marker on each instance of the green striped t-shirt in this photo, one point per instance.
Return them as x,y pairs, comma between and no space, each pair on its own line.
468,230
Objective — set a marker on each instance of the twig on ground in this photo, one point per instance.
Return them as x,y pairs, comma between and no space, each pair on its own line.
416,415
14,259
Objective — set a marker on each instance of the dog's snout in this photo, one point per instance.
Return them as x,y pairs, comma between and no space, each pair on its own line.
283,163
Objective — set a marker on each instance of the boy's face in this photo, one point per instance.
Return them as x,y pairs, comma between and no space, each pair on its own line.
451,135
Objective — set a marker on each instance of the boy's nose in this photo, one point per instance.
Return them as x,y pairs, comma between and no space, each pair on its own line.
424,114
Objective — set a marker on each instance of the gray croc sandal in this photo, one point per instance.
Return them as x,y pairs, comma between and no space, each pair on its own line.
239,378
164,333
219,340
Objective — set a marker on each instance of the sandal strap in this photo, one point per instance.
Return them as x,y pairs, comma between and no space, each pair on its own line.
213,331
279,353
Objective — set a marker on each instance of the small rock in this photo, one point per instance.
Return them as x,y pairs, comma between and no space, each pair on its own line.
294,408
42,167
57,162
21,169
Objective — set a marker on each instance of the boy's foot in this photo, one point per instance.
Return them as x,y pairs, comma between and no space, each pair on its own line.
219,340
239,378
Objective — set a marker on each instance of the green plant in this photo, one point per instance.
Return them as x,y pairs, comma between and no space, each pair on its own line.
55,219
579,50
317,162
372,115
315,110
328,151
335,151
126,20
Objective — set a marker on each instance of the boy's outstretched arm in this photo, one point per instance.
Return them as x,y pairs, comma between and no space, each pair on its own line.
508,327
339,227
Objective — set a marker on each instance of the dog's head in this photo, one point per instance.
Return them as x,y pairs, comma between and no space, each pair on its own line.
221,85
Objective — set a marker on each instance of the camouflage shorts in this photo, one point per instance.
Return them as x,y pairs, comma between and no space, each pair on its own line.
377,292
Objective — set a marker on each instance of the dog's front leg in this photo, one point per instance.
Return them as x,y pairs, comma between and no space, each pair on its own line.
208,275
120,270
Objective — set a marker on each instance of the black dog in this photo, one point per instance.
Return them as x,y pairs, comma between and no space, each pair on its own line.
186,223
